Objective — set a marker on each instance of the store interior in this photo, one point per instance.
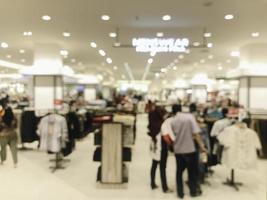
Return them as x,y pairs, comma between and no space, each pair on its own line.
86,87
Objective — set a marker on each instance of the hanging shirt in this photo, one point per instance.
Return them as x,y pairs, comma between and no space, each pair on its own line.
219,126
53,132
240,145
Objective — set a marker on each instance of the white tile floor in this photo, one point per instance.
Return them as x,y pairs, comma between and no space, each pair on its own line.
32,180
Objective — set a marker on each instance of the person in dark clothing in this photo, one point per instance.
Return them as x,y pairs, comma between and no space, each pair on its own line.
159,148
8,135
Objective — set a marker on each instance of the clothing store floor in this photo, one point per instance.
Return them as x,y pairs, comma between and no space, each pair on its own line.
33,180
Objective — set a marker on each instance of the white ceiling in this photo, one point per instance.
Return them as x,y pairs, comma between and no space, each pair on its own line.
134,18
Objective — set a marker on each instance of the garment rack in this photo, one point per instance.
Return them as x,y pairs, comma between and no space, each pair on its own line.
231,182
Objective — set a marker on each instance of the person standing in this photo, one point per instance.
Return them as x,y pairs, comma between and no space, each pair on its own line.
8,135
158,148
186,131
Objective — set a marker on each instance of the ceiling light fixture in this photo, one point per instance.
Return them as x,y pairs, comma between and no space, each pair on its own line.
115,67
8,56
46,18
229,17
207,35
157,75
64,52
102,52
176,61
93,44
150,61
27,33
109,60
21,51
187,51
255,34
210,57
105,17
166,18
181,56
4,45
196,44
66,34
73,60
220,68
202,61
160,34
112,35
23,60
210,45
235,53
174,68
228,61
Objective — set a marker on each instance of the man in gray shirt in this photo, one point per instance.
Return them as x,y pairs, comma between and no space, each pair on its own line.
186,131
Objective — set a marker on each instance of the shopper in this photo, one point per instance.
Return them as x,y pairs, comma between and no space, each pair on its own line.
158,148
186,131
8,135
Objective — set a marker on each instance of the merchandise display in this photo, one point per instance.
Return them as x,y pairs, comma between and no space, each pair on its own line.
115,99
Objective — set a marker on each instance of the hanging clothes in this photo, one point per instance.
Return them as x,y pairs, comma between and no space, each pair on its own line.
53,133
240,145
28,127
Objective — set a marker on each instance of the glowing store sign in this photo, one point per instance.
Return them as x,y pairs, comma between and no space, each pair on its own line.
160,45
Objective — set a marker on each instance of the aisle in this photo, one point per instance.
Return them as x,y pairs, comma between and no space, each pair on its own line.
32,180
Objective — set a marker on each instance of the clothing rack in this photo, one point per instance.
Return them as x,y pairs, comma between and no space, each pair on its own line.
231,182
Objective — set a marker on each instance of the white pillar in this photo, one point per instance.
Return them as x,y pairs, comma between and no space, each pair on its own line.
253,76
47,72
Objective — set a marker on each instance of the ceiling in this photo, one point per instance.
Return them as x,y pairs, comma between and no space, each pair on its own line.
138,18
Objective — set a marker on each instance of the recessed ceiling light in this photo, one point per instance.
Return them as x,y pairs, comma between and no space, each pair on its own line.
112,34
235,53
174,68
150,61
80,63
229,17
210,57
220,68
187,51
73,60
109,60
27,33
117,44
181,56
66,34
228,61
23,60
93,44
115,67
196,44
202,61
46,18
8,56
166,18
207,35
123,76
21,51
176,61
163,70
105,17
210,45
64,52
102,52
4,45
255,34
160,34
157,75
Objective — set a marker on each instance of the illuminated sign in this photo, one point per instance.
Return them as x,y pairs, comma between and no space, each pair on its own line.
155,45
